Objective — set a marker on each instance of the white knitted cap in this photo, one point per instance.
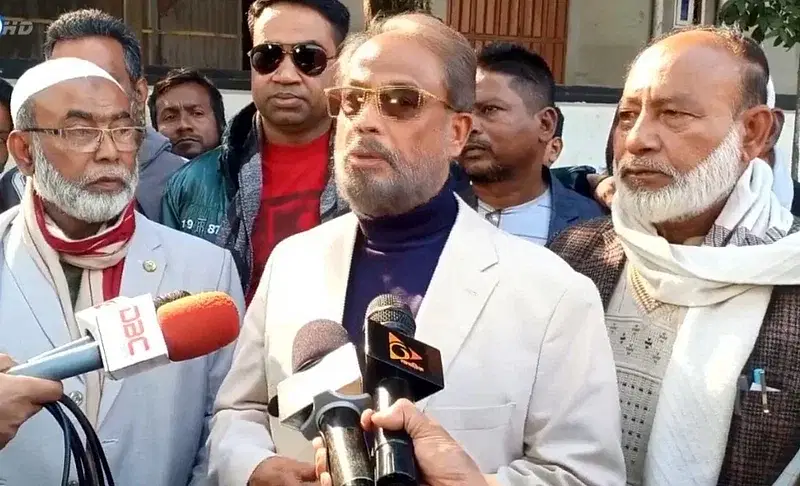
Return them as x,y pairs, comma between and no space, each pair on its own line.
49,73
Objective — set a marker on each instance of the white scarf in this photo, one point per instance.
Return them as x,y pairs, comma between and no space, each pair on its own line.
727,285
783,186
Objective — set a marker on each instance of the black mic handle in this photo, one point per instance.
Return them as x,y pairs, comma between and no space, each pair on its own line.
348,458
395,464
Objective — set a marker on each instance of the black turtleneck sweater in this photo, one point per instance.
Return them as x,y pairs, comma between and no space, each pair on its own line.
397,255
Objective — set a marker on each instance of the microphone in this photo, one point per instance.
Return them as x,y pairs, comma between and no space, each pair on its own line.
397,366
324,397
126,336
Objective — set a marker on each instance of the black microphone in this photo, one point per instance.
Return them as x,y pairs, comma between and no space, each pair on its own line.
324,396
397,366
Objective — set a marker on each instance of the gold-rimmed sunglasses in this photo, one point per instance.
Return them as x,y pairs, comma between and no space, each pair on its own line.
396,102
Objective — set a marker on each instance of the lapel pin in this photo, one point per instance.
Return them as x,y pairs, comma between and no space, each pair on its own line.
149,266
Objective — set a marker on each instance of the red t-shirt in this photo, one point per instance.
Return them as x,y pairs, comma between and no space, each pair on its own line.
294,178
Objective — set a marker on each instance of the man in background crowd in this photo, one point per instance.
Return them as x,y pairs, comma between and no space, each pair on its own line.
111,44
187,108
556,144
506,157
6,124
698,269
271,176
74,242
403,105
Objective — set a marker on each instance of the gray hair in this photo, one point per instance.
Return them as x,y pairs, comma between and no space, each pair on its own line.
25,119
458,59
82,23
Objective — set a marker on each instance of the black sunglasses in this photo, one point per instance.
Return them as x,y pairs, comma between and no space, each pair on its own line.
311,59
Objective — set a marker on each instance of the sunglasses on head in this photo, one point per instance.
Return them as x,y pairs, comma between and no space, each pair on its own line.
311,59
396,102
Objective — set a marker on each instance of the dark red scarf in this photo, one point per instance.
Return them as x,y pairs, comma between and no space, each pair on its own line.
94,246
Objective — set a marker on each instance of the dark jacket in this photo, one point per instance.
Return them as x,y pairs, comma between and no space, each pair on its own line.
156,165
760,445
217,195
569,207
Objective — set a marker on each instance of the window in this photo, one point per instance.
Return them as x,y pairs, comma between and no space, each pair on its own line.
204,34
688,12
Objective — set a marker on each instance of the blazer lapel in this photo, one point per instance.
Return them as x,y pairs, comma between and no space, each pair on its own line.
336,273
42,302
461,284
614,263
142,274
564,212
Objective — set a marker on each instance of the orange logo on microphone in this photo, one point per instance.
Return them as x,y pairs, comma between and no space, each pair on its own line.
400,352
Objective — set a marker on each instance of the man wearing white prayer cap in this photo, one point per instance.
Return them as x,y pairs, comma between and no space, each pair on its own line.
75,241
107,41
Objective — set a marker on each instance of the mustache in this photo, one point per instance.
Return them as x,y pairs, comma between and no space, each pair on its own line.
476,143
629,163
285,94
115,172
372,145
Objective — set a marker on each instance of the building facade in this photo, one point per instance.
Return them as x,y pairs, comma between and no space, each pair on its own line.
588,43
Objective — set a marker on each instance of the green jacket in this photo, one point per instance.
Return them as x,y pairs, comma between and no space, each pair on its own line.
217,195
195,200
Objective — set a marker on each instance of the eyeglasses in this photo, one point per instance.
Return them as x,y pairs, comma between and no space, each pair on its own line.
311,59
397,102
88,139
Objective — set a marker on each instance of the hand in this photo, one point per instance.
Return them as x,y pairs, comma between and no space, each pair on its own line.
21,397
282,471
441,461
604,191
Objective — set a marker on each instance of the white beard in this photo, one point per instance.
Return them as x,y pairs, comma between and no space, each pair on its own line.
691,193
72,198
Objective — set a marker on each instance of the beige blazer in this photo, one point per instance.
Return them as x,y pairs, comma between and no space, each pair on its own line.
153,426
530,384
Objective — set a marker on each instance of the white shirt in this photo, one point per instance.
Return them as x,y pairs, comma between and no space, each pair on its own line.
530,220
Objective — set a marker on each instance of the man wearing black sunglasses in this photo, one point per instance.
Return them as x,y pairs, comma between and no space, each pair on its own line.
270,178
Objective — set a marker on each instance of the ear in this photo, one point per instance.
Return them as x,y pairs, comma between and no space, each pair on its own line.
460,128
548,118
777,128
141,90
19,146
758,126
554,149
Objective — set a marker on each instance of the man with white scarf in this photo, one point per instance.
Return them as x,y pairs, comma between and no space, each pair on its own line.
75,241
698,269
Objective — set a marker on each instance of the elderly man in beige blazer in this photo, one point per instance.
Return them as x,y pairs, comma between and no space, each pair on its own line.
530,385
76,241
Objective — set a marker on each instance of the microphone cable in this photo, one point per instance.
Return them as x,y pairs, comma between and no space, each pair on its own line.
91,464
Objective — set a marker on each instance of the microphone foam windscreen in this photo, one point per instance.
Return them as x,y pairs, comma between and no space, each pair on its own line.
198,324
390,311
315,340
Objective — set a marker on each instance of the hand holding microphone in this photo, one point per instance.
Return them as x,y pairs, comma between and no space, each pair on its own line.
21,398
397,366
442,462
322,397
